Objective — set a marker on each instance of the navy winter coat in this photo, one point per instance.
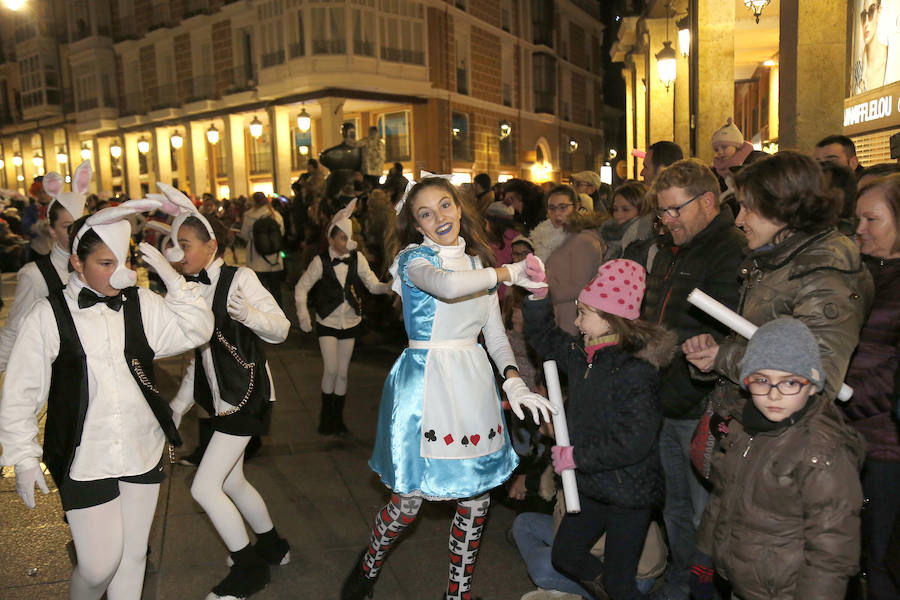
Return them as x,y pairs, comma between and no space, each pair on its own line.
613,410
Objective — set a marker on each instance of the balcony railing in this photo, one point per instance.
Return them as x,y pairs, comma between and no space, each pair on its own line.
363,48
88,103
296,49
240,78
133,104
162,96
545,102
412,57
198,88
125,29
329,46
271,59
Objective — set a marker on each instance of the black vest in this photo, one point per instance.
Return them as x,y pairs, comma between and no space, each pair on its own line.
48,271
239,362
68,399
328,293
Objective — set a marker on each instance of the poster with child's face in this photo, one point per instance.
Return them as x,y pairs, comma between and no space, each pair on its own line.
875,59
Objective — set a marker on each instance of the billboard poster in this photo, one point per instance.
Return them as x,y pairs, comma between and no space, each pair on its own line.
875,60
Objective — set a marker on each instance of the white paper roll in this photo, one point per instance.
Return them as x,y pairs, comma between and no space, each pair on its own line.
739,324
561,429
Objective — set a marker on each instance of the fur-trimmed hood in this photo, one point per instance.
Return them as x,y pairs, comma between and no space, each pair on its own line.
548,238
660,349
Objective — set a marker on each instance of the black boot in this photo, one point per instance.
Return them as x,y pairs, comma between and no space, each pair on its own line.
249,574
204,434
325,421
357,586
595,587
273,549
337,416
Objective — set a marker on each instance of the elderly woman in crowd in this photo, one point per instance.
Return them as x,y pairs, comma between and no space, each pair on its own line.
570,245
872,375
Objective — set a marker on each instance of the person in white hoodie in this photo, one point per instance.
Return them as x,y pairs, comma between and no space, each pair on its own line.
48,273
86,351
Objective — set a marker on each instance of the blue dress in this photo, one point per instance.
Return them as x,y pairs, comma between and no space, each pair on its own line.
441,433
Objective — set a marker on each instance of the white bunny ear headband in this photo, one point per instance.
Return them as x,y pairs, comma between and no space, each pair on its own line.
411,184
115,231
342,221
177,204
72,201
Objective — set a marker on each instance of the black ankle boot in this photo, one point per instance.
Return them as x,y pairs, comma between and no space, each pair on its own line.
273,549
357,586
326,425
249,574
337,416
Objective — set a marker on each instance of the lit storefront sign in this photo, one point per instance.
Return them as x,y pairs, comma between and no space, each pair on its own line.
870,111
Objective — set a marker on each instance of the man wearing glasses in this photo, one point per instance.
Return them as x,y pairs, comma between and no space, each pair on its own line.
702,249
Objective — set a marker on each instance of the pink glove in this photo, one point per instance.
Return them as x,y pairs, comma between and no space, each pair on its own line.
534,268
563,460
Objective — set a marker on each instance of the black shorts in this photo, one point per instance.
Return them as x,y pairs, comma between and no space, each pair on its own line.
85,494
341,334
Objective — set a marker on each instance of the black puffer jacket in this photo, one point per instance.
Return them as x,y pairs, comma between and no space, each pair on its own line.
710,261
613,410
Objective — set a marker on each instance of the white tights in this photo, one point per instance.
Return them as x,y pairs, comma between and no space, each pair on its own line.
111,543
336,356
225,494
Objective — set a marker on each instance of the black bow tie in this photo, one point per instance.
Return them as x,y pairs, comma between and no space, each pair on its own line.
87,298
201,277
337,261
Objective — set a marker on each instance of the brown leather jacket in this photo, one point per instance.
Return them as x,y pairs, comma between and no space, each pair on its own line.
784,516
817,278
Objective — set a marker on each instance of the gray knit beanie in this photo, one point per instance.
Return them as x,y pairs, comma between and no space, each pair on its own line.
787,345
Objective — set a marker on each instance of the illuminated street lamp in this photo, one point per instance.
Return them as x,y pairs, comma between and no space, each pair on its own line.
212,134
61,157
757,7
176,140
573,144
256,127
303,121
143,145
14,4
17,159
115,150
304,150
684,36
85,152
665,58
505,129
38,161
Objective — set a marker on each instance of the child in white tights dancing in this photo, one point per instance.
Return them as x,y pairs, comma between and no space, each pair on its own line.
335,277
87,352
230,379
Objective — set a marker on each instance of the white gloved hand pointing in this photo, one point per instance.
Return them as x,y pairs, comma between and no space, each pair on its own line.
153,258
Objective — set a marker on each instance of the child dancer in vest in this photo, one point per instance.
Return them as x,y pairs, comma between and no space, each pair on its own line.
87,352
48,273
441,433
335,277
230,379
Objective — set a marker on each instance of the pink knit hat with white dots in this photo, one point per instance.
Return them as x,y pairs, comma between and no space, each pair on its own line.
617,289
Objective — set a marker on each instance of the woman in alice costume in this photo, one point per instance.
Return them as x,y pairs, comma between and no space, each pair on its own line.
441,433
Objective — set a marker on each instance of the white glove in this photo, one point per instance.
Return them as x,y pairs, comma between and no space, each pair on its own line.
518,395
305,321
153,258
518,276
25,479
238,308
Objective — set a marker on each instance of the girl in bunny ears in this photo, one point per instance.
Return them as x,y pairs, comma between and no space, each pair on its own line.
87,351
335,277
230,379
441,433
51,272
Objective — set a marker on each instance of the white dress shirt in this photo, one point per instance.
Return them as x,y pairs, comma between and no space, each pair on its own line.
342,317
30,287
121,436
265,319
